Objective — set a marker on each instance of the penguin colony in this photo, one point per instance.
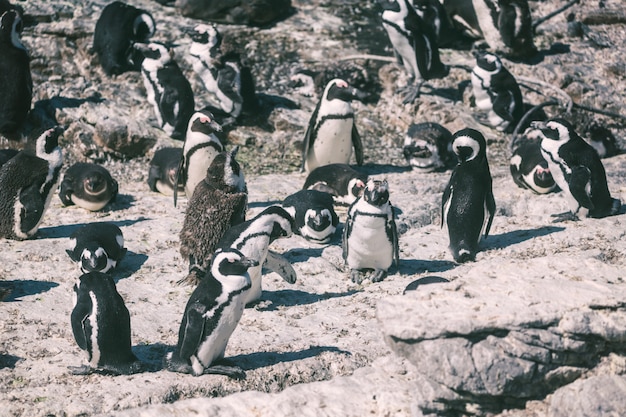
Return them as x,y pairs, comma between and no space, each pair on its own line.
225,252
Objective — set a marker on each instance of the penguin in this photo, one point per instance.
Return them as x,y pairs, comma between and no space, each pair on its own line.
428,147
118,28
332,133
218,202
370,236
414,44
27,183
168,90
314,214
602,140
97,247
200,148
496,93
211,316
253,237
162,175
343,182
577,170
101,327
528,166
468,205
6,155
16,83
87,185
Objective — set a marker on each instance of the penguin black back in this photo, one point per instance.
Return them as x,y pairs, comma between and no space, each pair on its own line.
341,181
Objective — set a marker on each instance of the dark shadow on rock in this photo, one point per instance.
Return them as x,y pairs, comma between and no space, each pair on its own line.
291,298
151,355
66,230
23,288
504,240
418,266
420,282
121,202
131,263
252,361
259,114
8,361
43,113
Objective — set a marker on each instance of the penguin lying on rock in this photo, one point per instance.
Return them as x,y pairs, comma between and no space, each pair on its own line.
428,147
163,171
88,185
341,181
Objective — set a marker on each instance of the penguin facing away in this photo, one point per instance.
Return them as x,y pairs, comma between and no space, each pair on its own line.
314,214
27,183
16,84
118,28
253,237
167,89
528,167
211,316
370,237
332,133
577,170
468,205
218,202
163,171
97,247
341,181
428,147
101,327
88,185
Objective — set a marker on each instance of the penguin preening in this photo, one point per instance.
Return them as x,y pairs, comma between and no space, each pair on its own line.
577,170
343,182
332,133
211,316
468,205
27,183
428,147
118,28
167,89
101,327
88,185
16,84
163,171
414,44
370,237
97,247
528,167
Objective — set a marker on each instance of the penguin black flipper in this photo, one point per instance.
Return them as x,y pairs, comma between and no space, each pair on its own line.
578,183
178,178
170,106
347,231
502,104
358,145
153,176
392,234
490,204
445,199
80,323
277,263
227,84
309,138
193,330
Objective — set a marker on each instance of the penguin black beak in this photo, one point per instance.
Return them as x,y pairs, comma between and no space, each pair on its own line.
215,126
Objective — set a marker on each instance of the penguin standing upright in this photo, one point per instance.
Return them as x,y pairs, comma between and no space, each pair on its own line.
496,92
211,316
343,182
118,28
253,237
88,185
468,205
97,247
528,167
428,147
16,83
414,43
314,214
101,326
167,88
27,183
332,133
200,148
218,202
577,170
163,171
370,236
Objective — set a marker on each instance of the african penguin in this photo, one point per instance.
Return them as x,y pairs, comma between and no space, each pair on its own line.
602,140
414,43
496,93
314,214
428,147
341,181
211,316
577,170
200,148
370,237
27,183
468,205
528,166
101,327
118,28
332,133
167,89
253,237
218,202
163,171
87,185
97,247
16,84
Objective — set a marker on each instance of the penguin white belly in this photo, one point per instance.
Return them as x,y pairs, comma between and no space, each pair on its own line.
490,33
333,144
197,166
368,246
94,354
556,165
254,249
480,84
150,82
403,48
89,205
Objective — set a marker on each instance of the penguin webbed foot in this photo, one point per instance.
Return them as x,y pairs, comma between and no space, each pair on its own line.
411,92
378,275
356,276
565,216
226,368
81,370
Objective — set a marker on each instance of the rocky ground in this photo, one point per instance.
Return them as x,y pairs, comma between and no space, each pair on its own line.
534,327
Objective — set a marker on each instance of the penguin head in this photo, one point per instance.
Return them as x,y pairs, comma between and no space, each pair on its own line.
376,192
230,262
318,219
558,130
602,140
206,36
94,259
143,27
284,223
469,145
94,183
48,142
339,89
11,26
156,54
542,176
203,121
488,62
356,186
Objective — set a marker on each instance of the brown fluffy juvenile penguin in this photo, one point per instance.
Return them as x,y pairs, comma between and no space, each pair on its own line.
217,203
